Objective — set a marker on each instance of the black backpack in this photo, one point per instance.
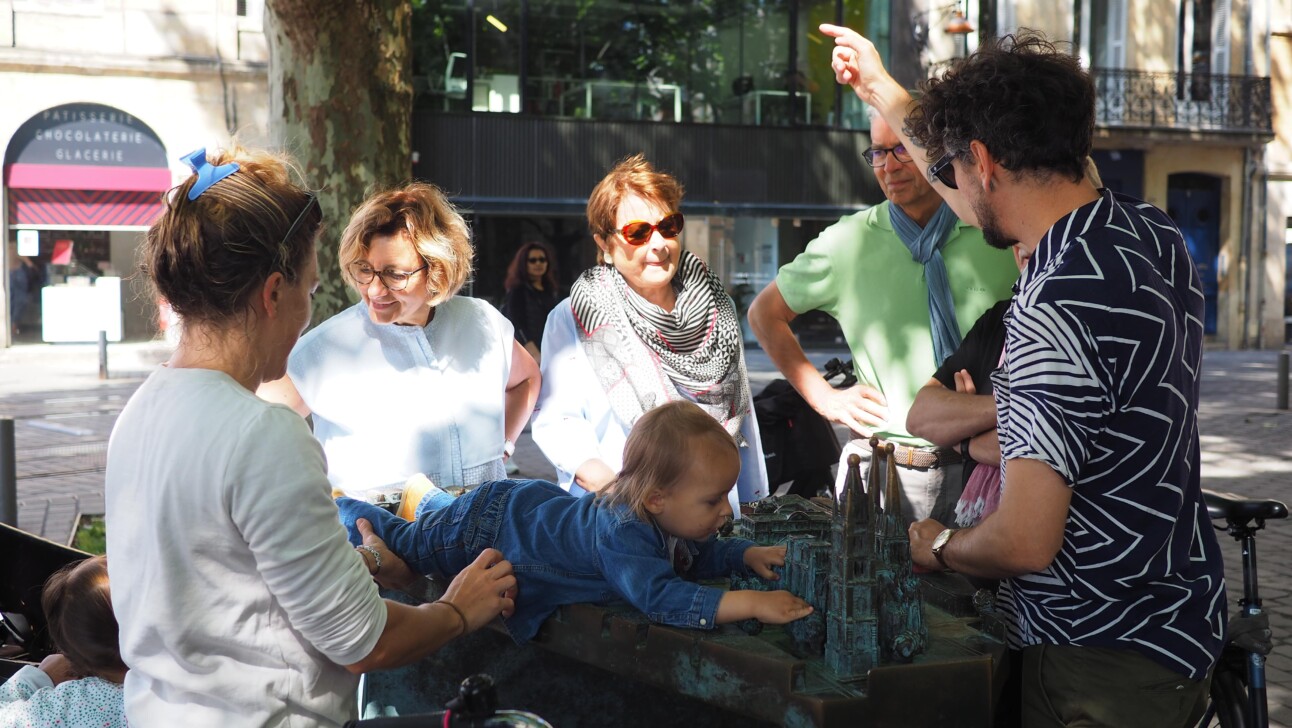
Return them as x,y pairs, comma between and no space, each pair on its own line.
799,445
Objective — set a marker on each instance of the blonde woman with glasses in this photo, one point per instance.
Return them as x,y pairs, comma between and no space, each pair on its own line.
414,378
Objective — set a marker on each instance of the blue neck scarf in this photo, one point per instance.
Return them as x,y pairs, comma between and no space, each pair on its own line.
926,247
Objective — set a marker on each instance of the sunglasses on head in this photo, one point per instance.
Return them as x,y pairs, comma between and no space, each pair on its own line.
638,232
944,172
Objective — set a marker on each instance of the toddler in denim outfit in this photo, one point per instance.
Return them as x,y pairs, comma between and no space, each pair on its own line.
641,541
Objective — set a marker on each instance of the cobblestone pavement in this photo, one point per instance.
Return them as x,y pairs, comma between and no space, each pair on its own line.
63,414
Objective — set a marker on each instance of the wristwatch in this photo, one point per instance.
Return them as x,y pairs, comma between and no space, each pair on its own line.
508,448
940,543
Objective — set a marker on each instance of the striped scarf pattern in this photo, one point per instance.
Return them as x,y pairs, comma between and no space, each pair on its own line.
644,356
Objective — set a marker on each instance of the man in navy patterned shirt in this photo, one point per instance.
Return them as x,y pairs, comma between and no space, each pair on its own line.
1113,581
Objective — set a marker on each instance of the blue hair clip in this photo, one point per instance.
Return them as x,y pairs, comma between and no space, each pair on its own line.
207,174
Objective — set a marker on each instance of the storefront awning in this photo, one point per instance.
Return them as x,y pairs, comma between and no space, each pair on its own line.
85,165
89,208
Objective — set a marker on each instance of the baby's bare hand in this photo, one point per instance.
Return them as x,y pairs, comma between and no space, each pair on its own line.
780,607
762,558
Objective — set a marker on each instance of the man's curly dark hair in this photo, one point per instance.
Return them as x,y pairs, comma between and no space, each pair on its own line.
1032,105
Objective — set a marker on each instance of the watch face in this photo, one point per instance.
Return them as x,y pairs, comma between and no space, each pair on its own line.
942,539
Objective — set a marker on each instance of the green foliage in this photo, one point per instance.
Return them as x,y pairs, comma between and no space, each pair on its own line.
91,535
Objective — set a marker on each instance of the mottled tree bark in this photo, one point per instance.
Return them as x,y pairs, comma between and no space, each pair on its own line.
341,101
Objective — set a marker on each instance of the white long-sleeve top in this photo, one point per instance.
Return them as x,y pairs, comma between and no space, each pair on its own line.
238,596
574,423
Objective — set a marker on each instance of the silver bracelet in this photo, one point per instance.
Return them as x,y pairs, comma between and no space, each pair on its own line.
376,556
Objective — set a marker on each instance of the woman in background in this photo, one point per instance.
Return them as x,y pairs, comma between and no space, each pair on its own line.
531,293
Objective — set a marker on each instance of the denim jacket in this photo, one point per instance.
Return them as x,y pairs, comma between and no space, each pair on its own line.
564,550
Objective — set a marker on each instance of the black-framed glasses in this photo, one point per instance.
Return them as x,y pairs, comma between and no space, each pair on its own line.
876,156
638,232
944,172
393,280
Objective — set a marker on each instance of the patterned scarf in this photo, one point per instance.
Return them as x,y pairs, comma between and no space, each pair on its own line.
644,356
926,247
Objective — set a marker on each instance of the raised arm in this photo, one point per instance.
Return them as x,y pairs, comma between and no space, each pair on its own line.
856,64
859,408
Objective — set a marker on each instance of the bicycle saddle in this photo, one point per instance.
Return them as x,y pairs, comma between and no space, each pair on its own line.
1237,509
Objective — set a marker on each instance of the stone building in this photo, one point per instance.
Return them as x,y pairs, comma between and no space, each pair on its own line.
102,97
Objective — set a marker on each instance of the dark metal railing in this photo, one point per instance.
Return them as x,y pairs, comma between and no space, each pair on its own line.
1183,102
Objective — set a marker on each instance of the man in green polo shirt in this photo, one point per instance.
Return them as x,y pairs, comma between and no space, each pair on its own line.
905,280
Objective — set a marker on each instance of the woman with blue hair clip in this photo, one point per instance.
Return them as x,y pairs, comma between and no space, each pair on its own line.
238,598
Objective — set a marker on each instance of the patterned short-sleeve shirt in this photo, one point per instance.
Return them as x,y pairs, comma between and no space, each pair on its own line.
1100,382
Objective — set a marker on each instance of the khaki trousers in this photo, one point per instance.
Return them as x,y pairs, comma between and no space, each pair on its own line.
1094,686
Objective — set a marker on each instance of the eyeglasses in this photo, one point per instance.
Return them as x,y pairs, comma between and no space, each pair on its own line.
638,232
944,172
393,280
876,156
537,260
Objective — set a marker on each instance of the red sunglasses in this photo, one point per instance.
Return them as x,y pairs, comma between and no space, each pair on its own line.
638,232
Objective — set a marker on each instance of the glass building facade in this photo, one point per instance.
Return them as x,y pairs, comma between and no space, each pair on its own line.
748,62
651,76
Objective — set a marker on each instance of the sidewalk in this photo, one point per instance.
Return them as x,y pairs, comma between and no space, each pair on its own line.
64,414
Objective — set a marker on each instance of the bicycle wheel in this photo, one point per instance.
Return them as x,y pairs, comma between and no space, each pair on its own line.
1228,707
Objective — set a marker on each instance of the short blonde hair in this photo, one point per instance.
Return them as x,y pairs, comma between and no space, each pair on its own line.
654,453
632,175
434,227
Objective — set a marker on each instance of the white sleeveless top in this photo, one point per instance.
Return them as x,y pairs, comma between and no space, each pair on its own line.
391,401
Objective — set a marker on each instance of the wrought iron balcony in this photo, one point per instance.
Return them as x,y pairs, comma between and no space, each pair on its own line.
1182,102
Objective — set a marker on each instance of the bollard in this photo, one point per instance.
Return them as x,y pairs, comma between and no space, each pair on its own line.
103,355
1283,380
8,474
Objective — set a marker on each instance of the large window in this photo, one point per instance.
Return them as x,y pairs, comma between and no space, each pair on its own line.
750,62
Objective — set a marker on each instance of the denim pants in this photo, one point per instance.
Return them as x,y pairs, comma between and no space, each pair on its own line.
447,535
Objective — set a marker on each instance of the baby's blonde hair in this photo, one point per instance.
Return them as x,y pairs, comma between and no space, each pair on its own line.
659,450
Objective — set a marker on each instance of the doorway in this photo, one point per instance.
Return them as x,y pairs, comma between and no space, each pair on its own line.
1193,202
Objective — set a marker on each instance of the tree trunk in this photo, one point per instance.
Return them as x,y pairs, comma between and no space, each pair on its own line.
341,102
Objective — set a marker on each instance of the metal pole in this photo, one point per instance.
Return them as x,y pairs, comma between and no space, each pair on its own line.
103,355
8,474
1283,380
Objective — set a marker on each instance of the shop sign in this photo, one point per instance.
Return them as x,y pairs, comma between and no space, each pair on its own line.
87,135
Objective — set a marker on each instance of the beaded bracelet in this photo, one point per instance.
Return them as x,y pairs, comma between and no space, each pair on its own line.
376,557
